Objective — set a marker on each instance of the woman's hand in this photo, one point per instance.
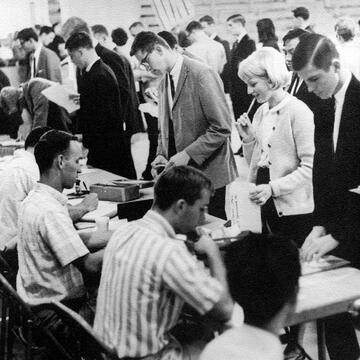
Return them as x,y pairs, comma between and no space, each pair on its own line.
245,128
260,194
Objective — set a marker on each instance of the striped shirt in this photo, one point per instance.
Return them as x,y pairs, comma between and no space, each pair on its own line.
47,246
147,276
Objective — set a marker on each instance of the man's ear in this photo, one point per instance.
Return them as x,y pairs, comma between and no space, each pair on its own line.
159,49
337,65
59,161
179,206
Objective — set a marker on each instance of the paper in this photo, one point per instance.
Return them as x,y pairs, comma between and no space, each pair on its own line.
105,208
356,190
244,212
60,95
149,108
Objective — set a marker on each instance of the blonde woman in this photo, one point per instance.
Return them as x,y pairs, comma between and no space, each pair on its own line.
279,147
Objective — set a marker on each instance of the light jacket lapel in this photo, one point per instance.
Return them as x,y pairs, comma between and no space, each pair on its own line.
183,75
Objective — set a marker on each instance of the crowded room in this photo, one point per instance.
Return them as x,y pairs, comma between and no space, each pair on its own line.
179,180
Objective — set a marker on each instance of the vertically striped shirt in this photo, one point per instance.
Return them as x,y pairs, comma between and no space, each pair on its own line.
147,276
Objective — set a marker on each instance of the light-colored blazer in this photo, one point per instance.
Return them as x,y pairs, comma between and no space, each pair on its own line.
201,120
291,153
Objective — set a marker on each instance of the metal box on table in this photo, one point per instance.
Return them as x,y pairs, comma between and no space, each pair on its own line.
118,192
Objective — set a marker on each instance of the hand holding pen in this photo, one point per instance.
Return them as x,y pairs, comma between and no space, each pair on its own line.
243,124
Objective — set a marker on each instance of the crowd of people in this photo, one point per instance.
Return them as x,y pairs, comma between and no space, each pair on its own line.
297,112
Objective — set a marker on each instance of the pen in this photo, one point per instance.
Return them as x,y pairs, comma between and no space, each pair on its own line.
85,187
251,106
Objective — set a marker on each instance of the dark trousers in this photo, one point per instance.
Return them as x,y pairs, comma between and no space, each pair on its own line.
217,203
153,134
293,227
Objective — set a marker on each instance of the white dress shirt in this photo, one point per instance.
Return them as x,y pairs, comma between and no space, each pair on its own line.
339,102
17,178
88,68
34,60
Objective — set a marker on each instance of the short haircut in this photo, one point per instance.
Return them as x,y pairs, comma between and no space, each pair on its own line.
169,38
27,34
265,63
301,12
50,145
345,28
146,41
294,34
79,40
99,29
263,275
46,30
35,135
237,18
208,19
193,25
135,24
314,49
73,25
266,30
180,182
119,36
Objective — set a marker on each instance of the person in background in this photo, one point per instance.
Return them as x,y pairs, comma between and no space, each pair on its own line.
204,48
120,38
241,49
349,51
301,19
41,61
46,35
194,121
263,277
278,146
149,274
52,256
266,33
100,34
209,26
136,27
336,226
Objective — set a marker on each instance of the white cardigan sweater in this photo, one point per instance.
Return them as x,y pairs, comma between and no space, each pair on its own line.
291,152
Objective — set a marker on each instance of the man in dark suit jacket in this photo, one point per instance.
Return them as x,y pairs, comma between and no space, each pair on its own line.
194,120
208,24
41,61
241,49
336,170
101,116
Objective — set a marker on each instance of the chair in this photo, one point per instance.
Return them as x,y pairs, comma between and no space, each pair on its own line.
89,346
19,319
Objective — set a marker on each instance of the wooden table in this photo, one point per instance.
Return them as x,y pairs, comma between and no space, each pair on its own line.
324,294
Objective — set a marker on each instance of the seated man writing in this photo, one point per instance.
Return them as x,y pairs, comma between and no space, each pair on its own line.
263,273
52,256
149,274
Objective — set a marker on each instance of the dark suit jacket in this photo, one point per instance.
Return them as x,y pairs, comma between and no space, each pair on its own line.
225,75
337,209
101,121
121,67
238,89
48,66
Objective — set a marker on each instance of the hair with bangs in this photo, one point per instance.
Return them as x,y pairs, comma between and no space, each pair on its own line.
265,63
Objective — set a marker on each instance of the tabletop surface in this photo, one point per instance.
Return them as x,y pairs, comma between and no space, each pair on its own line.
326,293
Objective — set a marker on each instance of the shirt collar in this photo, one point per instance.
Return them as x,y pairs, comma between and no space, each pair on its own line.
154,216
239,38
37,50
277,107
175,71
61,198
213,36
88,68
340,95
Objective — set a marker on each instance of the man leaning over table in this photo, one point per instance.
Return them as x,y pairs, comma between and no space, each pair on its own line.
336,170
149,274
52,256
194,120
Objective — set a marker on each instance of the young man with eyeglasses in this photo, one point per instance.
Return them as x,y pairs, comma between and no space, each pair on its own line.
194,120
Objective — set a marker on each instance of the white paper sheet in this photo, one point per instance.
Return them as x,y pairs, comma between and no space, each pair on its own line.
60,95
244,212
105,208
149,108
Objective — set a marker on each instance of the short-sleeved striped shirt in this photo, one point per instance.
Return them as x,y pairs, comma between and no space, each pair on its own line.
47,245
147,276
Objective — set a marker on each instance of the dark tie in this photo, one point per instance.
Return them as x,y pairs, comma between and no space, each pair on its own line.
235,44
171,144
33,63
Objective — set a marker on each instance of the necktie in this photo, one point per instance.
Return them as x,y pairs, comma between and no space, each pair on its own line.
33,66
171,144
295,84
235,44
